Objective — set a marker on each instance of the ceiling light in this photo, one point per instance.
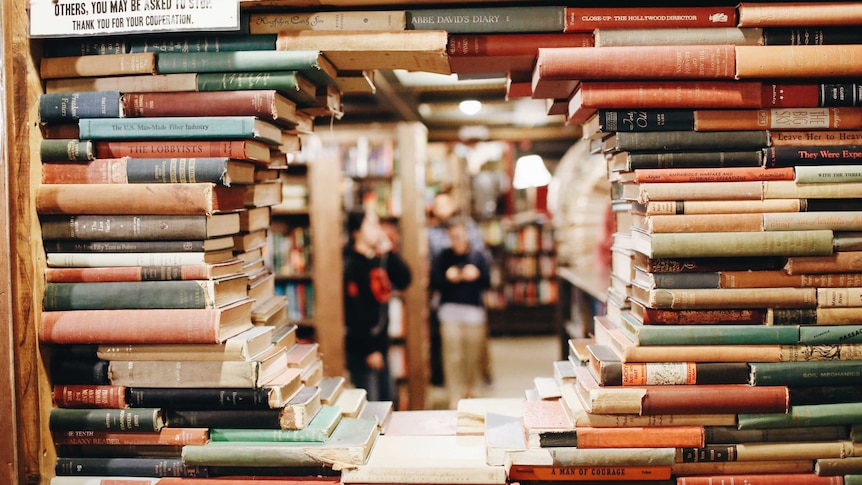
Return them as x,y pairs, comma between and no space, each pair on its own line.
470,106
530,171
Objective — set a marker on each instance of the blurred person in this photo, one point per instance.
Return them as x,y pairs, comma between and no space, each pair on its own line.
371,271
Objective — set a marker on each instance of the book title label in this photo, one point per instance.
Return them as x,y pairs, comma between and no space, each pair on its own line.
77,18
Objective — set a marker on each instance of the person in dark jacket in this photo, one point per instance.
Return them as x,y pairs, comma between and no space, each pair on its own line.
461,274
371,271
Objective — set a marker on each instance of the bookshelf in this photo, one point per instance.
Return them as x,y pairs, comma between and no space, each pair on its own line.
383,166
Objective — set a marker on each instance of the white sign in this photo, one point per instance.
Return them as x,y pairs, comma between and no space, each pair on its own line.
78,18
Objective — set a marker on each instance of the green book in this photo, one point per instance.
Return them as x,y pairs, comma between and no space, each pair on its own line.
485,20
181,128
292,84
204,43
121,420
318,430
830,334
311,64
144,294
707,334
805,415
67,150
349,444
804,374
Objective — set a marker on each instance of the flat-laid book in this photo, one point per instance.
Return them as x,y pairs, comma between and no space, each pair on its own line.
93,66
181,128
202,271
145,294
243,346
70,107
266,104
149,326
737,244
138,199
128,170
122,227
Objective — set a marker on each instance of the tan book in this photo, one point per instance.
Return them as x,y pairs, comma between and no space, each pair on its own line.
254,218
697,207
313,373
739,244
271,311
413,50
125,84
742,467
809,450
443,459
283,387
472,411
839,262
262,194
352,401
243,346
93,66
273,23
797,14
301,408
192,374
679,36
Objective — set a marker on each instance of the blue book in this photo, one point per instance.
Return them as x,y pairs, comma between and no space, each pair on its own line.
69,107
180,128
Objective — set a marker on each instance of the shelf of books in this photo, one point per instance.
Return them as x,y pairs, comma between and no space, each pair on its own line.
381,167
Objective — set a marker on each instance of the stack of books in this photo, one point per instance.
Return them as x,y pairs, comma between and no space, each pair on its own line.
733,315
161,163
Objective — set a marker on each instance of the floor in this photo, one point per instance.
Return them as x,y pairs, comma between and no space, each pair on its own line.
516,361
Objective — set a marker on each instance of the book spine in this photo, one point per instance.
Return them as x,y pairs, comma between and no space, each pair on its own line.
723,191
788,156
144,246
637,62
610,37
645,120
684,264
584,19
307,61
217,43
273,23
142,326
503,45
122,227
805,374
213,127
258,103
698,175
807,61
686,280
848,467
648,437
815,95
682,141
803,15
269,436
552,473
832,220
684,373
94,66
78,372
792,316
713,159
124,84
783,189
128,295
670,94
729,207
66,107
705,317
129,273
87,46
778,118
731,435
89,396
835,263
480,20
763,279
239,419
809,35
98,171
138,199
809,138
199,398
834,330
839,297
68,150
761,479
695,299
135,466
123,420
813,174
735,398
176,170
165,436
289,83
767,243
172,148
803,415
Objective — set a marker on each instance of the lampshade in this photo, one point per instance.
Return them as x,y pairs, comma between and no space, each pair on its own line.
530,171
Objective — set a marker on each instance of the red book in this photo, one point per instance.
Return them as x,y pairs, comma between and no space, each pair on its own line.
179,326
588,473
675,399
637,62
142,273
237,149
265,104
694,175
89,396
473,45
579,19
765,479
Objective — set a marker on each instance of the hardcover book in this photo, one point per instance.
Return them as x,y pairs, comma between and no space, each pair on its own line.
181,128
223,171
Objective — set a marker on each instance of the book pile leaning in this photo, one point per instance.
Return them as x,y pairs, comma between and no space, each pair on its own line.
732,332
170,353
